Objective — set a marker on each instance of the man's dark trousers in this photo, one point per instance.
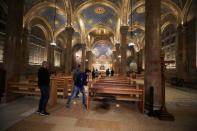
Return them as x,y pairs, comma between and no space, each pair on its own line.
43,98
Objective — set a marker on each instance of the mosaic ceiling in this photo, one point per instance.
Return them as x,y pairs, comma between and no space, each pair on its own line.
49,13
96,14
99,14
30,3
138,15
180,3
76,3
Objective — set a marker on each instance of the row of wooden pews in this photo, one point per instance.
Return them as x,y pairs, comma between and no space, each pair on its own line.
120,88
60,87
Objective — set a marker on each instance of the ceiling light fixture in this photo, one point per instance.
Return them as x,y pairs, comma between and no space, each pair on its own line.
131,44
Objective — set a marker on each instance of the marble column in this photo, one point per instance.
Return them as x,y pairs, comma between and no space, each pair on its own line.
64,60
152,76
123,66
83,58
118,59
25,50
139,62
181,56
68,67
51,59
50,54
114,61
89,57
13,46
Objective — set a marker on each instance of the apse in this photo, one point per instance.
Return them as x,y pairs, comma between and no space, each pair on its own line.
102,51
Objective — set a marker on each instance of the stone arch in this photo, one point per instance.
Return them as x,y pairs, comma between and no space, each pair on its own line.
43,24
39,7
167,3
186,10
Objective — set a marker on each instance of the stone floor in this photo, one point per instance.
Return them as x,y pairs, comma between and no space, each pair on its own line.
103,116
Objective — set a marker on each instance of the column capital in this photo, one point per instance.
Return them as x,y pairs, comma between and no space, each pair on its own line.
124,29
83,45
117,46
181,27
69,30
26,31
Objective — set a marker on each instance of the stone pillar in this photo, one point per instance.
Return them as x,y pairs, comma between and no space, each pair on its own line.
52,60
118,59
13,46
69,31
89,57
181,56
123,66
49,54
25,50
86,60
139,62
83,57
114,61
64,60
152,76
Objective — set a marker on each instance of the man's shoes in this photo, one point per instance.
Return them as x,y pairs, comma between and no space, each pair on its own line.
44,113
85,107
67,105
76,96
38,112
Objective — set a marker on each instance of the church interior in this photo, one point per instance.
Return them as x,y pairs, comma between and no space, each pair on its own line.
150,45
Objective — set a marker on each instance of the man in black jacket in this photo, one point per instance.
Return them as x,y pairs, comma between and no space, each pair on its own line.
43,84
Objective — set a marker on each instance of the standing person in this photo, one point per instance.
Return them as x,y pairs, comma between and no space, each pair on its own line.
112,72
107,72
96,73
75,72
93,74
80,80
43,84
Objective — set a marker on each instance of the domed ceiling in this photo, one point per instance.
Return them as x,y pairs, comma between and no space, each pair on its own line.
99,14
76,3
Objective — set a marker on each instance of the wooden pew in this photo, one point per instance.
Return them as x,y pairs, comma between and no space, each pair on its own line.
24,88
69,85
64,86
120,91
21,88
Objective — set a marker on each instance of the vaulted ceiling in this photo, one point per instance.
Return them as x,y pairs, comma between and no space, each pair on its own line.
94,19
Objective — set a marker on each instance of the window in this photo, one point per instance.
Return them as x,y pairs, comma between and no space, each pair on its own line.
57,58
37,54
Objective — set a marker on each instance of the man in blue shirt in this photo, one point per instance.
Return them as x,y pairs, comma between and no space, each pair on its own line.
79,78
